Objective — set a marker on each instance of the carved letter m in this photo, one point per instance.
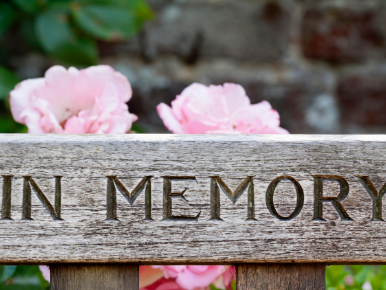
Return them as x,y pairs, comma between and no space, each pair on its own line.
217,183
113,181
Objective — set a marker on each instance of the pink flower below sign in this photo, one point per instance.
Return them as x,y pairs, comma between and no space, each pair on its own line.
185,277
46,272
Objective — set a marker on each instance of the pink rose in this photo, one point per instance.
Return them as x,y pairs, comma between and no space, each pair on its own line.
148,275
46,272
192,277
168,284
219,110
91,100
224,281
228,276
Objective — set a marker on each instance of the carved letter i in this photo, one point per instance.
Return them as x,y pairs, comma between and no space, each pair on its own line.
6,202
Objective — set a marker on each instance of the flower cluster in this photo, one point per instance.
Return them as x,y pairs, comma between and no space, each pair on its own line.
185,277
93,100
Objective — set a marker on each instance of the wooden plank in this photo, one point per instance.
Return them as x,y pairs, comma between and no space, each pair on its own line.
250,199
281,276
95,277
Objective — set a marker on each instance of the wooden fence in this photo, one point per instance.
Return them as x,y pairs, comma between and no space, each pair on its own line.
280,208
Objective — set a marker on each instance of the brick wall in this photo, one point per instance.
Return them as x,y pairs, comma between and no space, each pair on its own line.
320,63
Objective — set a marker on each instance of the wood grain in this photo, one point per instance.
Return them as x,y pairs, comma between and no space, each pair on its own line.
281,276
208,227
94,277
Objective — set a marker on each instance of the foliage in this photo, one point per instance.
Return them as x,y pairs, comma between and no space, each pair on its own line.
65,30
139,129
68,29
22,278
7,82
353,277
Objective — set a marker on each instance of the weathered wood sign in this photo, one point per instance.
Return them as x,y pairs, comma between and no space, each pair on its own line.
168,199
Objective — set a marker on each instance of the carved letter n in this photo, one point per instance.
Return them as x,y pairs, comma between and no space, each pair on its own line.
54,212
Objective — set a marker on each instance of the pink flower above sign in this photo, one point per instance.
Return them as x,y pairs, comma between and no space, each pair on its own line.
219,110
91,100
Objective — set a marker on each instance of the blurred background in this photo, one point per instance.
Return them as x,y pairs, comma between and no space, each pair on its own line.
321,64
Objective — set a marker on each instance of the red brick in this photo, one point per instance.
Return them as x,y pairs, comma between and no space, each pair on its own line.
341,35
362,99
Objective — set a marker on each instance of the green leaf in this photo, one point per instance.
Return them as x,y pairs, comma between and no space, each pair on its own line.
361,276
142,11
27,31
7,16
26,272
20,287
8,81
335,276
30,6
6,272
105,22
29,275
111,20
138,129
58,38
25,277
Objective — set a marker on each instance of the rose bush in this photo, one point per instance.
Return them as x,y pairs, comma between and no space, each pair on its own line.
219,110
91,100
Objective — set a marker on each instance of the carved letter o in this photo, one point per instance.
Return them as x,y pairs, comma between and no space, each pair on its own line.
271,190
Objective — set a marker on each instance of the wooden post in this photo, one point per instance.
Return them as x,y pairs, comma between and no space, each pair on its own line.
281,276
94,277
